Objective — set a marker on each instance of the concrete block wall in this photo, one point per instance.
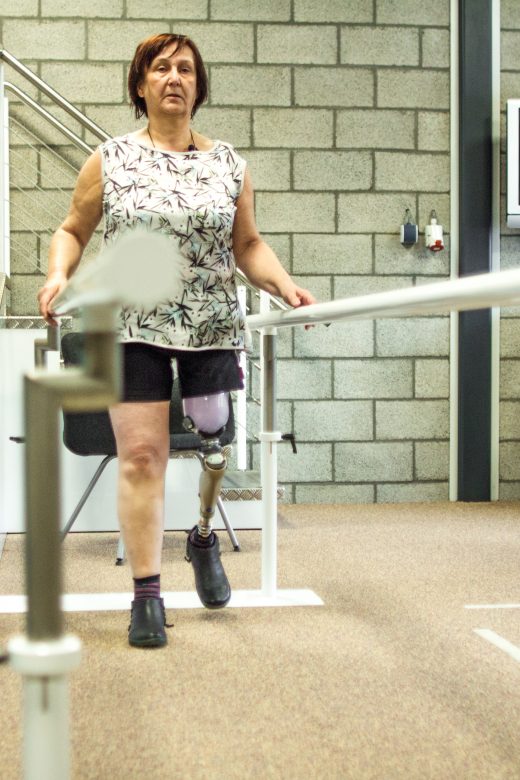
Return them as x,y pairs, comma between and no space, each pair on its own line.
342,111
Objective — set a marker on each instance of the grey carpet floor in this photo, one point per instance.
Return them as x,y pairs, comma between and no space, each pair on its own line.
387,680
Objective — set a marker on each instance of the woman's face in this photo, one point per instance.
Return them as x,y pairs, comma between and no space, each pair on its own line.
170,83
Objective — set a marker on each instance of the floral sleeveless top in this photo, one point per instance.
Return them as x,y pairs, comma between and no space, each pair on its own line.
190,196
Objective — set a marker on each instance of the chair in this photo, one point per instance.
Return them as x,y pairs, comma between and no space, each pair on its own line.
90,433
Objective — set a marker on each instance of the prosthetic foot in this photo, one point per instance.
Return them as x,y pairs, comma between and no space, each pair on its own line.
207,415
210,578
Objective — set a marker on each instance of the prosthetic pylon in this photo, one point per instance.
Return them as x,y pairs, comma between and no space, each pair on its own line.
210,483
207,416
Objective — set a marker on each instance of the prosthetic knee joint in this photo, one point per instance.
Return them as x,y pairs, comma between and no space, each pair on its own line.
207,415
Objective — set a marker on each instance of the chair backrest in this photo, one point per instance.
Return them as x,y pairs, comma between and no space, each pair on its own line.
90,433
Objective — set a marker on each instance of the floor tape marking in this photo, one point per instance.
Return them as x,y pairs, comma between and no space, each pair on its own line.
492,606
499,641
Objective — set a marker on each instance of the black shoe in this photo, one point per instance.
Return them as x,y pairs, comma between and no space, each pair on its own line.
147,623
210,578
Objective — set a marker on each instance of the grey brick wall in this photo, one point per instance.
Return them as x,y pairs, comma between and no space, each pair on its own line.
341,109
509,470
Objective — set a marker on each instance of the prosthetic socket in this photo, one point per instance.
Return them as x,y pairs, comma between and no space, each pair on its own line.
207,416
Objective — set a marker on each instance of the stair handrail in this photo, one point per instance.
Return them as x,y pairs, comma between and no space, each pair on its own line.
25,98
55,96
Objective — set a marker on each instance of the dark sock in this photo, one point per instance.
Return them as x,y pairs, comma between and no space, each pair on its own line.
147,587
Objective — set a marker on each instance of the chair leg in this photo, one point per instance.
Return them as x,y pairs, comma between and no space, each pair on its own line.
90,487
227,523
120,555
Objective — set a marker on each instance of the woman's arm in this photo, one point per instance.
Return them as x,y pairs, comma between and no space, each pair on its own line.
256,259
73,235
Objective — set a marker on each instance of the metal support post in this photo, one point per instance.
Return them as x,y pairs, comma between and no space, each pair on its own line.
44,666
269,437
241,403
45,655
49,344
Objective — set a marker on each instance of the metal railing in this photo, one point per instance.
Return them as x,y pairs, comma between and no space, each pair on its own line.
51,93
42,112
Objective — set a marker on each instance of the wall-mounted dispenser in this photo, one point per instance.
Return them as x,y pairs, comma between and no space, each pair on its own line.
409,231
433,237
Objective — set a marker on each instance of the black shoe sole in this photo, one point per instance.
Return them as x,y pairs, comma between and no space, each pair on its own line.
147,642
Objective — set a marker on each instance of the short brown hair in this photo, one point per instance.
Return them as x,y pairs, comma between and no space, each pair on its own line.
144,55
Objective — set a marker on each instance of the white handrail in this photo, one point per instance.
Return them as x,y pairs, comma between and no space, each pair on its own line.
482,291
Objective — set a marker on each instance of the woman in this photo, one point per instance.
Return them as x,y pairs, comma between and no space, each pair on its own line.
170,178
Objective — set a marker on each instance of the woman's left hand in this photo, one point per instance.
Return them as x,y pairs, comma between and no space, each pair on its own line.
298,296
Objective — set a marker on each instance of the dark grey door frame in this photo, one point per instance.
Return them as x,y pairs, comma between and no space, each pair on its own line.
475,234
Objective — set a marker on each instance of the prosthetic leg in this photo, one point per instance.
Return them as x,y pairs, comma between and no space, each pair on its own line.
207,416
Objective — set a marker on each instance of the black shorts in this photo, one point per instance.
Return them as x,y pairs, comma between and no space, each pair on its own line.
148,372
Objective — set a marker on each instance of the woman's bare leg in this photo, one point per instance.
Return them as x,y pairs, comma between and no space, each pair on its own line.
142,435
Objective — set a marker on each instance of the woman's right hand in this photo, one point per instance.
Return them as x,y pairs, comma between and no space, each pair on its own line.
50,290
